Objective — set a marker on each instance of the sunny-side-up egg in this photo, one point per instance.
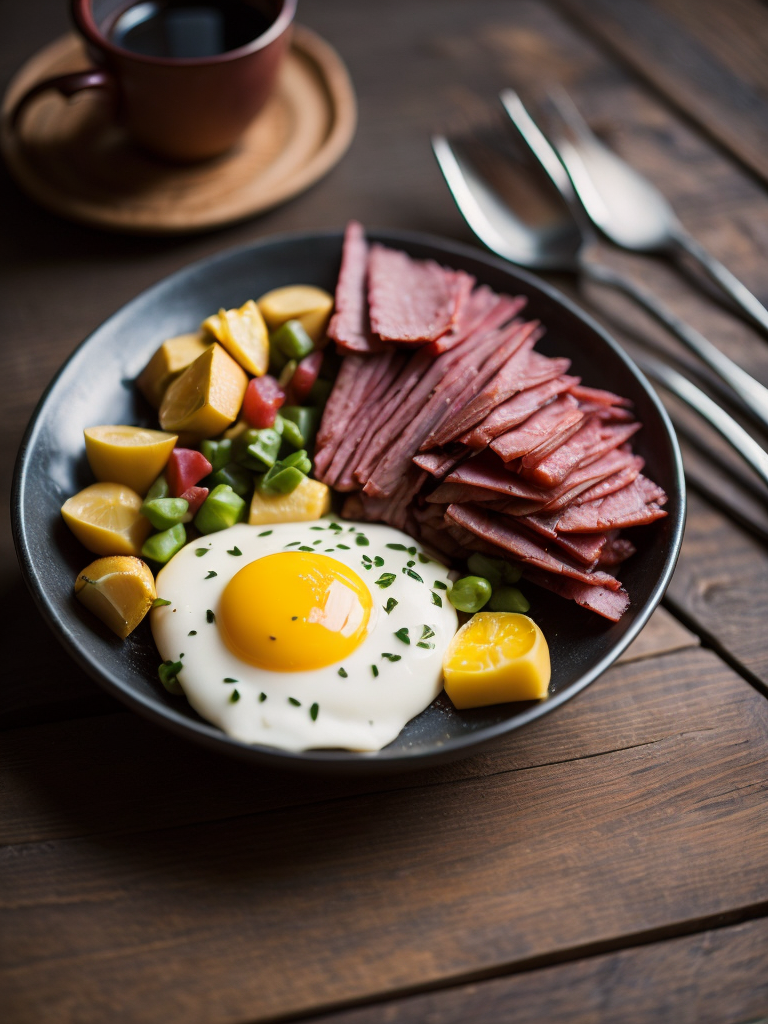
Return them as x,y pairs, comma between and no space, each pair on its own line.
299,635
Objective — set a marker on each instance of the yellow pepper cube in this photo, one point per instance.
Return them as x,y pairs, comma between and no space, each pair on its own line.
119,590
243,334
303,302
206,398
494,658
173,356
107,520
310,500
128,455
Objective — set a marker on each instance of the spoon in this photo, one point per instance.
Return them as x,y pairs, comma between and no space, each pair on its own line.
549,233
632,212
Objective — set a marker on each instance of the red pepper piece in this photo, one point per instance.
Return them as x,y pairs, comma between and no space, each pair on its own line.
195,496
305,375
185,467
263,397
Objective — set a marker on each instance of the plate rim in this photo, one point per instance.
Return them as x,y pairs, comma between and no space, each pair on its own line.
337,761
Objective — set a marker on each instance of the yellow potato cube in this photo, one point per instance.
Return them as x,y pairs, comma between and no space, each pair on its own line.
311,306
173,356
128,455
310,500
119,590
106,519
494,658
243,334
207,396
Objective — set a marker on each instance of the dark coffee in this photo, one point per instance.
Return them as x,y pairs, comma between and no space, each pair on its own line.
189,28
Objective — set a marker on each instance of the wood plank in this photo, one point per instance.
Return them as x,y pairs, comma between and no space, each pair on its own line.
39,803
716,977
663,635
290,911
707,58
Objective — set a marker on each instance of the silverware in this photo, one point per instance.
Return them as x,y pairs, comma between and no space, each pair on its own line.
559,238
631,211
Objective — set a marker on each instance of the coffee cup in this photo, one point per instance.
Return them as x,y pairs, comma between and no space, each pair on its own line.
185,77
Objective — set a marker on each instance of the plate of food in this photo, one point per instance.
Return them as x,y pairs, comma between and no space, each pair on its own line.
348,501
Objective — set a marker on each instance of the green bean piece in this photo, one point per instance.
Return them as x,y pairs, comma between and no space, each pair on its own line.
161,547
319,393
165,512
470,593
508,599
304,419
167,673
234,476
218,453
221,509
292,434
159,489
257,449
287,373
292,340
284,481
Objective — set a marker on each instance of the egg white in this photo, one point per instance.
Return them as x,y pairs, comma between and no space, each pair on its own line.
363,711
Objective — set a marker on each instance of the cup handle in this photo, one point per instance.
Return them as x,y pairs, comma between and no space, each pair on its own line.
67,85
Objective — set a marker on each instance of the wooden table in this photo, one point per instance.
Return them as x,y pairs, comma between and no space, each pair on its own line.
610,862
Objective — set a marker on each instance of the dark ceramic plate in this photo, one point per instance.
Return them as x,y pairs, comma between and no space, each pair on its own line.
94,386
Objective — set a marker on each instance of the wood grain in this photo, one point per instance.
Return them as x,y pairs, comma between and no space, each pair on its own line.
707,58
290,910
717,977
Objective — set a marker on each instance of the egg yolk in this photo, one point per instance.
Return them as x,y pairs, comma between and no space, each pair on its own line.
294,611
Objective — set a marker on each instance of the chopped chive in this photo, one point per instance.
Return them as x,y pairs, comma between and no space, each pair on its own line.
426,644
439,585
343,547
436,599
296,703
229,679
167,673
413,575
343,673
192,632
412,552
159,602
378,560
391,603
328,551
402,634
273,638
211,574
423,558
265,533
234,697
411,563
396,547
392,657
374,670
361,541
427,632
317,527
386,580
335,526
262,698
201,551
303,547
209,616
367,559
313,712
235,551
294,617
293,544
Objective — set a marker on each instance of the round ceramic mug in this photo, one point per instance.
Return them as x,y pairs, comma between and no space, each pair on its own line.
184,109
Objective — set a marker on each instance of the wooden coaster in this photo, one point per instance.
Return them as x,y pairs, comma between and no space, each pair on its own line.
72,159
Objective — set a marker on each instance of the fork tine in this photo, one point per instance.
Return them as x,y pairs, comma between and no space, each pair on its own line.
569,113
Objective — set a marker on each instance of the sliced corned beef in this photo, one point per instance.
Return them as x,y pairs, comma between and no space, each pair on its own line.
439,461
599,396
412,301
612,483
484,310
516,410
592,440
506,534
487,472
617,550
611,604
626,507
551,421
350,326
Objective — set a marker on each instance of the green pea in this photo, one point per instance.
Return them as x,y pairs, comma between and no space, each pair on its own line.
161,547
508,599
165,512
292,340
222,508
495,570
470,593
218,453
159,489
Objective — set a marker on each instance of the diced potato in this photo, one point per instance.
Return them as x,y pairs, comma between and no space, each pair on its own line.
173,356
106,519
206,398
128,455
119,590
311,306
494,658
309,500
243,334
